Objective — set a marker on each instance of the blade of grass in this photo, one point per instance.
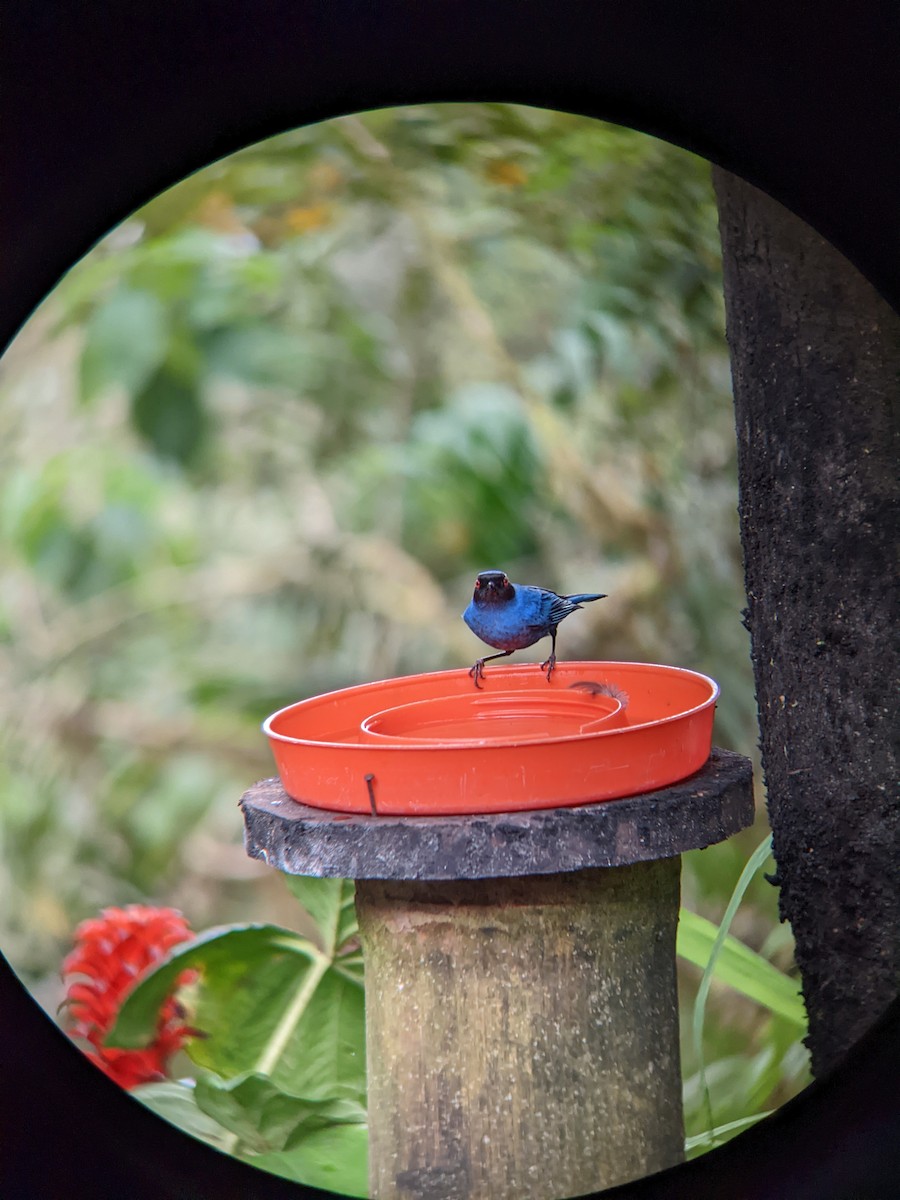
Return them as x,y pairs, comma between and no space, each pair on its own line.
756,860
740,968
711,1137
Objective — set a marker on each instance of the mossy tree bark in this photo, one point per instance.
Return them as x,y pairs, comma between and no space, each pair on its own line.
522,1033
816,368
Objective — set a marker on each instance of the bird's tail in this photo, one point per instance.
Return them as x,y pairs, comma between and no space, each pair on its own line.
584,597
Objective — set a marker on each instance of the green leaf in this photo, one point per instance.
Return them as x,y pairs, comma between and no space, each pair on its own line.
754,864
268,1001
177,1104
740,967
267,355
127,339
334,1158
330,903
224,956
352,966
266,1118
168,412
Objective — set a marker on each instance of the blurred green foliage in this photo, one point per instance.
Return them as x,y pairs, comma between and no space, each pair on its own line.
282,1079
257,443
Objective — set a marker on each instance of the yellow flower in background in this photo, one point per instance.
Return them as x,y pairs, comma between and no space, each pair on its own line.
506,173
306,218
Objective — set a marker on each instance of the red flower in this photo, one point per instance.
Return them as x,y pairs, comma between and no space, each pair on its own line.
112,952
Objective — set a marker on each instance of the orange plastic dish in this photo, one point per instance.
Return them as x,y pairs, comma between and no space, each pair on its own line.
429,745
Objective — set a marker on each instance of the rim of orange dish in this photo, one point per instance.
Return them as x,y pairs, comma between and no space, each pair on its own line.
493,678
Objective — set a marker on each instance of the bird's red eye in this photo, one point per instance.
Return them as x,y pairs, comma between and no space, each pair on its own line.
477,584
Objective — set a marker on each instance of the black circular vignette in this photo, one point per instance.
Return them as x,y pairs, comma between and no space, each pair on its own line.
105,109
105,105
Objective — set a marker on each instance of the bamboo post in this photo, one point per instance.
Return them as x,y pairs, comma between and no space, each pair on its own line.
543,1013
521,1004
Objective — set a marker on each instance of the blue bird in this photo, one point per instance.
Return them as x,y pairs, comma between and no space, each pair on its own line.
512,616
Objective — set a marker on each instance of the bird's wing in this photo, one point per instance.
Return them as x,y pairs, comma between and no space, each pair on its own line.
560,606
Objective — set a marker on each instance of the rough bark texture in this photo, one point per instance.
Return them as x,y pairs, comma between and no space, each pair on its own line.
522,1033
816,368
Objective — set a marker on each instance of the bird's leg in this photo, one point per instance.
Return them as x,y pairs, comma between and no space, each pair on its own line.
550,662
477,671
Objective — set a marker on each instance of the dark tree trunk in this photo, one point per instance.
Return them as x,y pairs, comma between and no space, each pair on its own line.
815,358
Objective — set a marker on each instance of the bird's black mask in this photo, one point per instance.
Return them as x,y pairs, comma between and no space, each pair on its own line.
493,587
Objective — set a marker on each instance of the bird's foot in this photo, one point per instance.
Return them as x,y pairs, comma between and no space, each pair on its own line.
477,672
548,664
